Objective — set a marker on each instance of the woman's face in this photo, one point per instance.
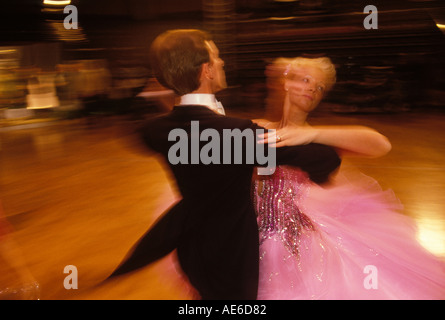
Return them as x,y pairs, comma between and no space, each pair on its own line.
306,87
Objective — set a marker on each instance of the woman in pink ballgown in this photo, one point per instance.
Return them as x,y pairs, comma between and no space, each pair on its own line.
344,240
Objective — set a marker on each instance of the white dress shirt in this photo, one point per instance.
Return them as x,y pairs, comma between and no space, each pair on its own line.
203,99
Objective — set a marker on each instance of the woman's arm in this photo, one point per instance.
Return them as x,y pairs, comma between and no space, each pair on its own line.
354,140
350,140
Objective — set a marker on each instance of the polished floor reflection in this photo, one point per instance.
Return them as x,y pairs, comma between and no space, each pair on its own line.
80,192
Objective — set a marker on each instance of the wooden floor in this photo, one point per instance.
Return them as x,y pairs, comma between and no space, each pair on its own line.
78,193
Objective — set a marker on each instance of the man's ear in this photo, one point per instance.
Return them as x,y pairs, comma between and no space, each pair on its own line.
207,71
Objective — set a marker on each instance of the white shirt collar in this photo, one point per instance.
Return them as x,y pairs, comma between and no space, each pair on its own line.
204,99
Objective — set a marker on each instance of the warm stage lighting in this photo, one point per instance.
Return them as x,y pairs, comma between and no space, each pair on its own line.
57,2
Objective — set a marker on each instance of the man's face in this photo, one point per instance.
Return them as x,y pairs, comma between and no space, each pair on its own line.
217,68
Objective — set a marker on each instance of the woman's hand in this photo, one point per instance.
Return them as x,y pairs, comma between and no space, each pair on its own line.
290,136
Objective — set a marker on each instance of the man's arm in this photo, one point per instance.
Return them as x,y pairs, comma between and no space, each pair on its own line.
318,160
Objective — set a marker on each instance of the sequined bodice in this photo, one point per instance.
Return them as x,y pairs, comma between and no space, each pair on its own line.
277,200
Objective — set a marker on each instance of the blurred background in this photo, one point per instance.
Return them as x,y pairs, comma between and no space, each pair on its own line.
101,66
75,190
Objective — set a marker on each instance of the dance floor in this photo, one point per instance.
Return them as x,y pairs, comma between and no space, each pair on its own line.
80,193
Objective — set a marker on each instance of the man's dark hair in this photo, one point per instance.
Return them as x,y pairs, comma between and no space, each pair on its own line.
177,56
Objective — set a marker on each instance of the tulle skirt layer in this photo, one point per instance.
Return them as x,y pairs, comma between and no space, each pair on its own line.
361,247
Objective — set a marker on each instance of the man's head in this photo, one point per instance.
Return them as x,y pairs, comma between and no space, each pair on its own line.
186,61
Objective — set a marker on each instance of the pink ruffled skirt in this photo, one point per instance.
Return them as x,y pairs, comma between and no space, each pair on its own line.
360,247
